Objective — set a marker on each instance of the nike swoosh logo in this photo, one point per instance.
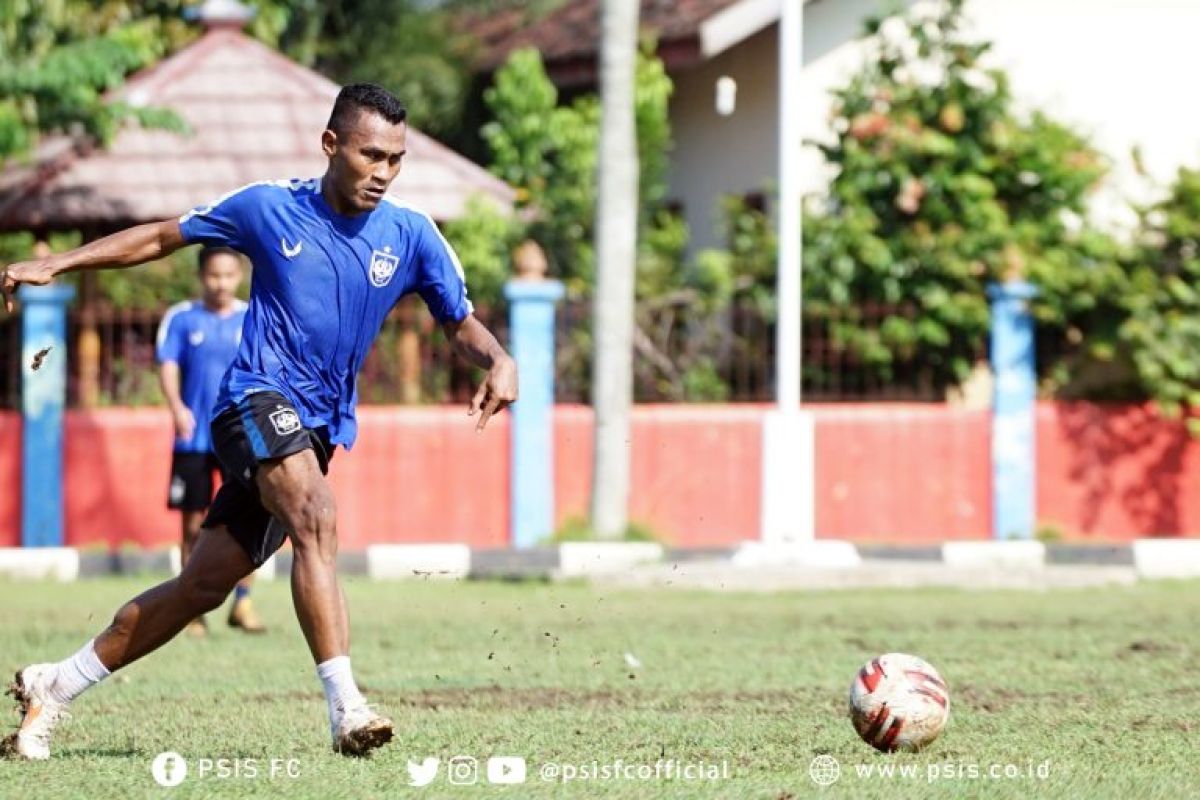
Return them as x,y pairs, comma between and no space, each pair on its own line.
290,252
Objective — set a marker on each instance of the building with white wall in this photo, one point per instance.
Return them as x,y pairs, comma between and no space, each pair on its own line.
1115,70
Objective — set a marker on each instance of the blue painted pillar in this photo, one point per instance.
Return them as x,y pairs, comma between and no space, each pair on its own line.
1014,447
531,334
43,397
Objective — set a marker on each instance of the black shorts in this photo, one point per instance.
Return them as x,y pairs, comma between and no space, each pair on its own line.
261,427
192,481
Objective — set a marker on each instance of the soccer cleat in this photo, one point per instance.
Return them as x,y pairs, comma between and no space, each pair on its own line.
40,713
359,730
243,616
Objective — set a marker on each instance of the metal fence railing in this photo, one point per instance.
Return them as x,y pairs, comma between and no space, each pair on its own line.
681,354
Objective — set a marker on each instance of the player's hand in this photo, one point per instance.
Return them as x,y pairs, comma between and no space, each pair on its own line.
185,423
498,390
38,272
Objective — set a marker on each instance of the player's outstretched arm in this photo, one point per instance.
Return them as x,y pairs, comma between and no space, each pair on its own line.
136,245
476,344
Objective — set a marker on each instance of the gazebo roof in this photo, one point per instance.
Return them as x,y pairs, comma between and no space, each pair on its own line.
254,115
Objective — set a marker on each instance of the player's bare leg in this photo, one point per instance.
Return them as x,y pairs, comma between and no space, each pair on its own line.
141,626
296,493
192,520
153,618
242,614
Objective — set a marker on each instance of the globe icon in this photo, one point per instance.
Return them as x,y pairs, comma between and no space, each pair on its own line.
824,770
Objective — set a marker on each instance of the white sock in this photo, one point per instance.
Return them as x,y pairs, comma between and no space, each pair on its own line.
340,690
77,674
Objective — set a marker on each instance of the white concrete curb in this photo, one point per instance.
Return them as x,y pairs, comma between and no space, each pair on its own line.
1025,554
1167,558
819,554
391,561
598,558
39,563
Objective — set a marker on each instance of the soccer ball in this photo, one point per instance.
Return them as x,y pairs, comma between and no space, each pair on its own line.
898,702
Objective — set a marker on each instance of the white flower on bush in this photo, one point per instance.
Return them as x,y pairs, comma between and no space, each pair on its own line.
978,80
1070,220
931,30
925,11
894,32
928,73
902,75
841,125
1029,178
1156,218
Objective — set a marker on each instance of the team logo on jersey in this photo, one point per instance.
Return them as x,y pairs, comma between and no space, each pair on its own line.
196,338
383,266
285,421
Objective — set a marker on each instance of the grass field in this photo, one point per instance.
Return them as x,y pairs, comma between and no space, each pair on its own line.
1100,684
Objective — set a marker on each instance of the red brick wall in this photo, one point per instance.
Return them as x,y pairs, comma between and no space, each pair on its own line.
1116,472
884,473
897,473
10,479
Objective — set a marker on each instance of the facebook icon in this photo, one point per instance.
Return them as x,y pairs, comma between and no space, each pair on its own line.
169,769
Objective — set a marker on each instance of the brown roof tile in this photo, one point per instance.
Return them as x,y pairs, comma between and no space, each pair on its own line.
254,115
572,33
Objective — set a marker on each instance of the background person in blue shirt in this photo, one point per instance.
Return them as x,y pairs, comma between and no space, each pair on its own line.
331,257
197,340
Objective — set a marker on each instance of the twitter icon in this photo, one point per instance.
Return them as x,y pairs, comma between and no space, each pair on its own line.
422,774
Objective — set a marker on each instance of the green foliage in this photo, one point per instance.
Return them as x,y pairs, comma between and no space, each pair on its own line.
1162,326
156,285
484,240
58,58
410,47
941,188
549,153
577,529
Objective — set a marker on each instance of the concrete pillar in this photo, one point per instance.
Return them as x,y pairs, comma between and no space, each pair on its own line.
532,299
1014,447
43,399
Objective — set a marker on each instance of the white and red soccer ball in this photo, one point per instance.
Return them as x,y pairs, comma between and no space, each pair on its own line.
898,702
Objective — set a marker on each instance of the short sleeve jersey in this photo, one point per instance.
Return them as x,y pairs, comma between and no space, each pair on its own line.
203,343
323,283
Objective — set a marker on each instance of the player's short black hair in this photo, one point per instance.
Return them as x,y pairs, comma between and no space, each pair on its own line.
359,97
209,251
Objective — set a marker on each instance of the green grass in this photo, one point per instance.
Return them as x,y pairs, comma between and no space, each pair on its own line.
1100,683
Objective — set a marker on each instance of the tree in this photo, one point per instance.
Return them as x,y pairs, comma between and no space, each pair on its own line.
616,251
1161,329
58,59
941,188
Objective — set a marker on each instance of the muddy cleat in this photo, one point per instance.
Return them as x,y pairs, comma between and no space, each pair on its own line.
360,730
197,628
40,713
243,616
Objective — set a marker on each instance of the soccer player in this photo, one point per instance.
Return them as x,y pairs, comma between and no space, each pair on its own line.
331,257
196,343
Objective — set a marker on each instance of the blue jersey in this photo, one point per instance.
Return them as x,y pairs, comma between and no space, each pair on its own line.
322,285
203,344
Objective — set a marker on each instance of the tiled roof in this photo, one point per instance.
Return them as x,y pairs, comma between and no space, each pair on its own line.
572,33
254,115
